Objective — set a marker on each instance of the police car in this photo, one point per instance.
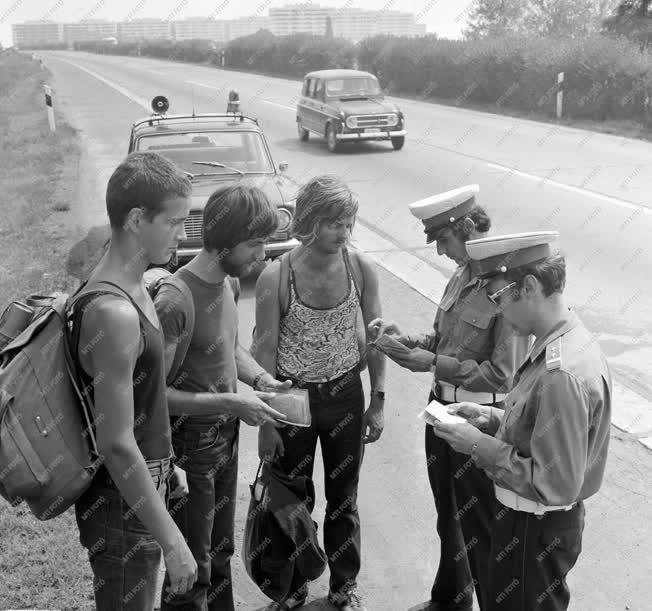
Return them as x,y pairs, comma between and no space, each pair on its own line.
215,150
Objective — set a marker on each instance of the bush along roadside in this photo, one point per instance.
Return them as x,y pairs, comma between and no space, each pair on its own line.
606,78
42,563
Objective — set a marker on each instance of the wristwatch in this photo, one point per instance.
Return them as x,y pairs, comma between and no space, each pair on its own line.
257,379
434,364
378,393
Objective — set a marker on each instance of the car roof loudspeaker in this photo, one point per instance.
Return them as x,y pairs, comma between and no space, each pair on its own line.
160,104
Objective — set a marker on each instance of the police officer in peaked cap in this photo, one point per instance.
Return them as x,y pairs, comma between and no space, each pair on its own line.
473,356
546,452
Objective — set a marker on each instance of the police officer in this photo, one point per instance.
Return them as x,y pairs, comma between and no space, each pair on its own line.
473,355
549,449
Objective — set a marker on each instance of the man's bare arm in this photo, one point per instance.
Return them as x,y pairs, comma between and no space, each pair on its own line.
371,309
115,357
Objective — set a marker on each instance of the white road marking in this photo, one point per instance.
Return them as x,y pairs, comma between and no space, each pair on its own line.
119,88
206,85
631,412
279,105
578,190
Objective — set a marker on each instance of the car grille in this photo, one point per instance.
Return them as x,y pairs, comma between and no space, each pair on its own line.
195,221
193,226
372,120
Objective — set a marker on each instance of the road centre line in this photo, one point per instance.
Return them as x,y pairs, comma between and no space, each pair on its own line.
631,413
206,85
578,190
279,105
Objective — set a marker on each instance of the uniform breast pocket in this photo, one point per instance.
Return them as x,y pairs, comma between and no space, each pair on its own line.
475,330
513,411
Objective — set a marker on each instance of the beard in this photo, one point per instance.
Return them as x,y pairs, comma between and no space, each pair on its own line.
234,268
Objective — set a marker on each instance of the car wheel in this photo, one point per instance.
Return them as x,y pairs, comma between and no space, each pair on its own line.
398,142
304,134
331,139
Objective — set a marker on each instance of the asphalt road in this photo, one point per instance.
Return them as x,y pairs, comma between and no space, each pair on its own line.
590,186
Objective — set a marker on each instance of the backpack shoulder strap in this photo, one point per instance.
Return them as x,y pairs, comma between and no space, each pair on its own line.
186,337
235,287
356,272
284,283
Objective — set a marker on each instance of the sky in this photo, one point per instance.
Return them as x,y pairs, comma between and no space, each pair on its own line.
446,18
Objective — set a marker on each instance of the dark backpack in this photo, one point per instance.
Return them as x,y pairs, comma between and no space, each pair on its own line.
48,451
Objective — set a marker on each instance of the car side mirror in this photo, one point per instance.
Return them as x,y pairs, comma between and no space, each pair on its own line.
283,166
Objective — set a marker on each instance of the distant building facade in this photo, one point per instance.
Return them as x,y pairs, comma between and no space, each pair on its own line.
35,33
350,23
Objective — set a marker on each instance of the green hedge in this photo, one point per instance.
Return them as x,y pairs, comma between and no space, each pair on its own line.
605,78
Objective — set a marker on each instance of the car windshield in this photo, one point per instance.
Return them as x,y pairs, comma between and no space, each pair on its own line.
239,151
354,86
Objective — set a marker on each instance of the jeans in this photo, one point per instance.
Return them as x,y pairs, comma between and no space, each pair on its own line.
209,455
464,498
336,409
124,557
530,557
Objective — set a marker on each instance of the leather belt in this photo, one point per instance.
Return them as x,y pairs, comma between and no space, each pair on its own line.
456,394
514,501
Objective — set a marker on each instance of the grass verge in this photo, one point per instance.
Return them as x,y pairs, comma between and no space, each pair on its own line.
42,564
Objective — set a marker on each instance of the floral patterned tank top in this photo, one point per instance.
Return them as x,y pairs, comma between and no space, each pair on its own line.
319,345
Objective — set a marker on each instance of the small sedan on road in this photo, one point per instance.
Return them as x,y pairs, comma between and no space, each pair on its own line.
215,150
345,106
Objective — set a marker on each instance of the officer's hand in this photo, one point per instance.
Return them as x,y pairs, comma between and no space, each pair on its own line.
416,359
460,437
252,409
270,443
478,415
378,327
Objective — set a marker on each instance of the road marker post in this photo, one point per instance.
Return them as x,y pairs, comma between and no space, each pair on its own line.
48,105
560,94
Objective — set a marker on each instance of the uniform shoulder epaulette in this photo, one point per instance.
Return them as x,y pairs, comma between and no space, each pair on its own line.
553,354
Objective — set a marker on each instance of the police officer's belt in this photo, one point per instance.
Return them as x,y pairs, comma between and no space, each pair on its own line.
514,501
456,394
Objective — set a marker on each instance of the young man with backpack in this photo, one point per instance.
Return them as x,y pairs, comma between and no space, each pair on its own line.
118,345
197,307
307,327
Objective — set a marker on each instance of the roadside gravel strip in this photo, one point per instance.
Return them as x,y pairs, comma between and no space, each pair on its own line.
632,412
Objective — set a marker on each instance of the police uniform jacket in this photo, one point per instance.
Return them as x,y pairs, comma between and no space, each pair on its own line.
476,348
551,443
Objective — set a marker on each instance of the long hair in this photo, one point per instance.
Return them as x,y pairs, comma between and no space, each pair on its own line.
324,198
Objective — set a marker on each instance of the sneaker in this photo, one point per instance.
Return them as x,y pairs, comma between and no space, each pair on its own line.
347,600
298,599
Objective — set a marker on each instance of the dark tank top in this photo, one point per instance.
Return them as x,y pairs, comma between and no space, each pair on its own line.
151,418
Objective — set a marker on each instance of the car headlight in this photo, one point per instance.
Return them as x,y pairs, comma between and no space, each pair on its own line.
284,219
392,120
352,122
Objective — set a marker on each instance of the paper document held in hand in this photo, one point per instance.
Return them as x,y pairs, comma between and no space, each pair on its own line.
436,411
387,341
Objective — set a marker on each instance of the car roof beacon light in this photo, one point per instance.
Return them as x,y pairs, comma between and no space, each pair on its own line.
160,105
233,104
